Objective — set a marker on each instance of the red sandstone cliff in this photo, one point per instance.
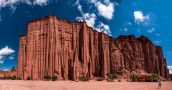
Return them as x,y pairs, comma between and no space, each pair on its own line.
72,49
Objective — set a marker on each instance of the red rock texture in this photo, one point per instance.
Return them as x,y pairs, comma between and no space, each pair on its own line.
70,50
7,73
170,77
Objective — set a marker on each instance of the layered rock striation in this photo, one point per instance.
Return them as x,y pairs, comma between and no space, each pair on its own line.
70,50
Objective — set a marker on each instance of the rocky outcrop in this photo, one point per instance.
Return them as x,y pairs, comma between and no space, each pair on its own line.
7,73
70,50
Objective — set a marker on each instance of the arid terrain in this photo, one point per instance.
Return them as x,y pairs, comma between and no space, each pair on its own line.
72,85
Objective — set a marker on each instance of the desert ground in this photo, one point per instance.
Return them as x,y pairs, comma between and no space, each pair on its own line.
72,85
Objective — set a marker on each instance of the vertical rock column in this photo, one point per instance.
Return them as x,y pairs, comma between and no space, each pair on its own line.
96,61
104,55
58,49
84,48
30,51
92,53
21,57
76,62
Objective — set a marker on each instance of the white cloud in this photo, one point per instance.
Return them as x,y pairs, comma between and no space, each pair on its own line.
11,57
90,19
103,28
26,1
40,2
1,62
6,69
79,6
105,9
148,22
93,1
4,52
126,26
140,17
128,23
4,3
170,69
126,29
12,3
151,30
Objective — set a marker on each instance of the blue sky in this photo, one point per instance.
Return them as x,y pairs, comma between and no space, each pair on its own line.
151,18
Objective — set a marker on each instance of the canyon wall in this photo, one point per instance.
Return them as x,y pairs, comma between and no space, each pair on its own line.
70,50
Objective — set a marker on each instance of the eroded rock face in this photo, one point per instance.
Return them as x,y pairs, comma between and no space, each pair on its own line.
70,50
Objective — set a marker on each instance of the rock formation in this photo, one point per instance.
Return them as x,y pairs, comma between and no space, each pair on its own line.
7,73
70,50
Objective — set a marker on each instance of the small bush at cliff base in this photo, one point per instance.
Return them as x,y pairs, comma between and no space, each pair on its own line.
133,77
13,78
84,78
6,77
154,77
47,77
111,76
54,78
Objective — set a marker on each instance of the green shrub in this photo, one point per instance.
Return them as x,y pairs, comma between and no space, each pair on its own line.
84,78
13,78
111,76
6,77
54,78
47,77
154,77
28,78
133,77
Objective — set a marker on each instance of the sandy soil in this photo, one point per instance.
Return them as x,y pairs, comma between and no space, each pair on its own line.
72,85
